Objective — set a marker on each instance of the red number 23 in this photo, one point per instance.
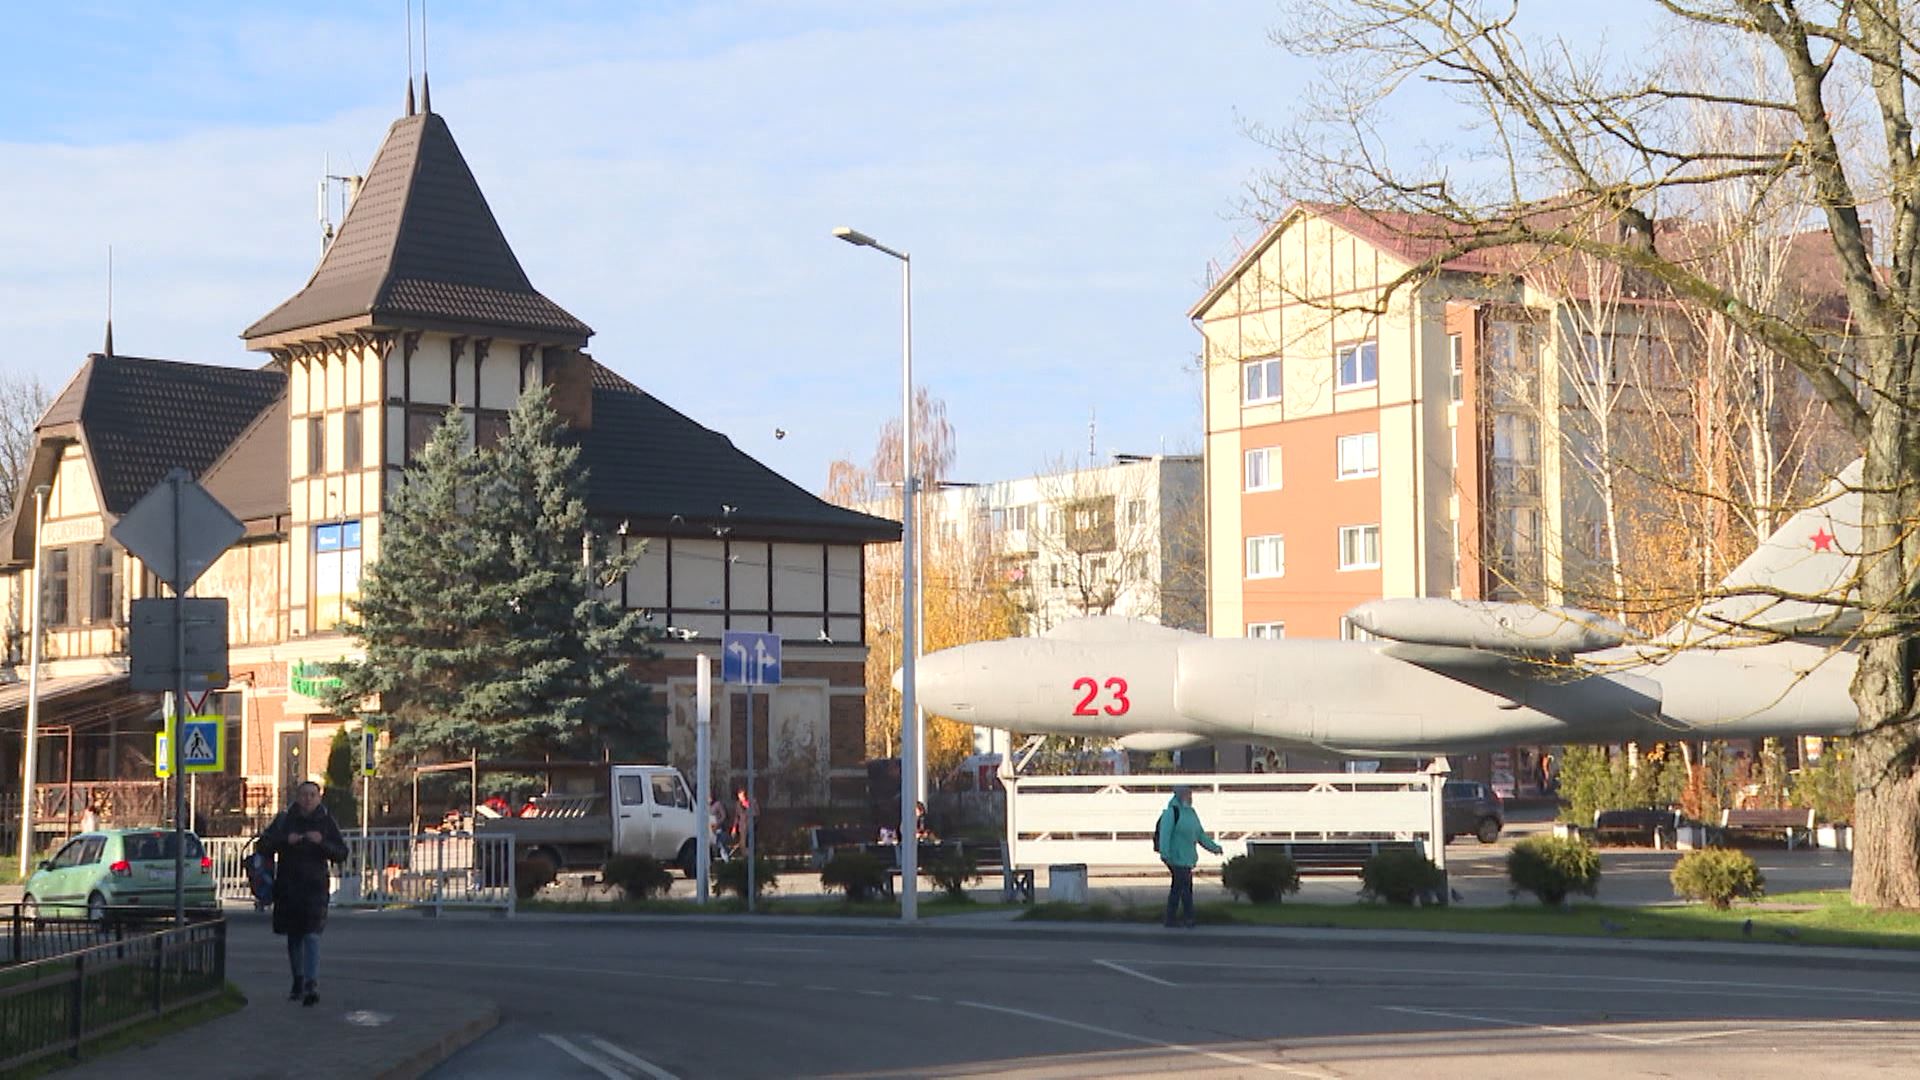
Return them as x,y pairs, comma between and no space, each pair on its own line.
1115,686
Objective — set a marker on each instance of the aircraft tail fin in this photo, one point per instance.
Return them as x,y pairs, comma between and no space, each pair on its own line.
1796,581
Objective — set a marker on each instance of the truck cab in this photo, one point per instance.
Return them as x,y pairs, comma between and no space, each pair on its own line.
653,812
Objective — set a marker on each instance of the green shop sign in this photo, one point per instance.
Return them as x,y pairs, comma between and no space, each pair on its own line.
311,679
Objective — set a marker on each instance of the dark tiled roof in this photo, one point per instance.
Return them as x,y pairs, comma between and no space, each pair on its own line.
250,478
143,417
649,463
419,247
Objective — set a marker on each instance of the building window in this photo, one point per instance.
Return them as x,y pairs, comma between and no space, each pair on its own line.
1359,455
1017,518
489,428
1266,556
998,520
59,587
104,603
1360,547
353,440
1351,632
1260,381
1267,631
316,445
1456,352
1263,469
336,572
1136,512
421,424
1359,364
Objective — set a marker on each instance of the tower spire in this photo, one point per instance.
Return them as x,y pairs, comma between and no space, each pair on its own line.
409,95
109,299
426,93
409,57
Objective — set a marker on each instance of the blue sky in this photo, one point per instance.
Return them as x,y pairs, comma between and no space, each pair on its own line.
1063,173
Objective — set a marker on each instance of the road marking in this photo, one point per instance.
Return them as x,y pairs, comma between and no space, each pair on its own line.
779,950
1559,1029
640,1063
759,982
1125,970
822,989
876,993
592,1061
923,997
1141,1040
1426,976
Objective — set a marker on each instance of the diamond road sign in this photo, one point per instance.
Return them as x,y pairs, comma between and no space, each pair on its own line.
748,658
178,530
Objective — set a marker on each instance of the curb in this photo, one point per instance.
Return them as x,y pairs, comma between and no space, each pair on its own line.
442,1048
1715,952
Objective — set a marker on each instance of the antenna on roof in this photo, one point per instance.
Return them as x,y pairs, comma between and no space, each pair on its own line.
409,57
109,299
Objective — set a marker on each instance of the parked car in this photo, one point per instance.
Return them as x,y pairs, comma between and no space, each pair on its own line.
1473,809
97,871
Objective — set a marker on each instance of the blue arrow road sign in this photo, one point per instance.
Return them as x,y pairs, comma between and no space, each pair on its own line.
749,658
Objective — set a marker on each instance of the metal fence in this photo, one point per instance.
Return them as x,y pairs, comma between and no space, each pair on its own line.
68,981
397,868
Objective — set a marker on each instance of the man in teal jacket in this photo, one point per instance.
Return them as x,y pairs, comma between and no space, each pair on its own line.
1179,832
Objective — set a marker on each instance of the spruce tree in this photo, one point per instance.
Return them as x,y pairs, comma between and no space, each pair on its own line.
483,628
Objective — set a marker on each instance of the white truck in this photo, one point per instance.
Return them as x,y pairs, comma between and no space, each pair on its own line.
595,810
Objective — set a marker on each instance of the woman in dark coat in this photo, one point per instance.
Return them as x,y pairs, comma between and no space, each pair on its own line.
303,838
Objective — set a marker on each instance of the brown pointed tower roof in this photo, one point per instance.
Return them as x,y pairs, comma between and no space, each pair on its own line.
419,250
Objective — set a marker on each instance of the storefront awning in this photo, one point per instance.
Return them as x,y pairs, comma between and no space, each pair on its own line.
75,701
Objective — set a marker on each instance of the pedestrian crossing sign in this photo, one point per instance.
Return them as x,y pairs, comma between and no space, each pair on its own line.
203,744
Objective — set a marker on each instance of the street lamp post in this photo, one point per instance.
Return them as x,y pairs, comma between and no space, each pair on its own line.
28,748
910,748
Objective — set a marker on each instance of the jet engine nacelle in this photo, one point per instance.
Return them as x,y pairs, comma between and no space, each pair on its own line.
1488,625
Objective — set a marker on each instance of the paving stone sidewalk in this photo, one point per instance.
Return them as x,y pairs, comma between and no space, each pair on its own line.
363,1028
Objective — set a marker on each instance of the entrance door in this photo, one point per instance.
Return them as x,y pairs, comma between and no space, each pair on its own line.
293,765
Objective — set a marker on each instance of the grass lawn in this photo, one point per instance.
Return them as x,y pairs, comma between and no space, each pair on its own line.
230,1000
802,905
1821,918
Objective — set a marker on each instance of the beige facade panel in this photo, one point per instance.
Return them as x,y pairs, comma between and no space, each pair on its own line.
73,494
798,577
431,372
647,578
699,568
747,576
1225,555
843,580
500,376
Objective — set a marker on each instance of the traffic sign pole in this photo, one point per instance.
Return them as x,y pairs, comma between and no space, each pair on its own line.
702,766
174,478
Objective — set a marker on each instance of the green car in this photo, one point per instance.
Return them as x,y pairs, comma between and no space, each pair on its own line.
97,871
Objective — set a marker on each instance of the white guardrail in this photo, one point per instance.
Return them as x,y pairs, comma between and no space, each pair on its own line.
1108,821
395,868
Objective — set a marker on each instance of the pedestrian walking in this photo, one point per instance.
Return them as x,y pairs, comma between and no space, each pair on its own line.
304,839
1177,835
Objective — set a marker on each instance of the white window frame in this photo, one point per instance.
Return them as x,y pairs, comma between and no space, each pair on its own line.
1267,368
1275,545
1358,350
1267,631
1270,461
1348,532
1363,438
1456,354
1351,631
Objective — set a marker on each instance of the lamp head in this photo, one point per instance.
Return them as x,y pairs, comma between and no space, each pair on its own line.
854,236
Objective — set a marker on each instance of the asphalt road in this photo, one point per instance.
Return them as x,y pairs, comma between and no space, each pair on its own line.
647,1000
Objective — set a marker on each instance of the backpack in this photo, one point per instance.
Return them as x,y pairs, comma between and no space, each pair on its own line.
259,867
1156,826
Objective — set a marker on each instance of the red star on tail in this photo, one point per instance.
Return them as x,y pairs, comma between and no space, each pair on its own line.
1823,540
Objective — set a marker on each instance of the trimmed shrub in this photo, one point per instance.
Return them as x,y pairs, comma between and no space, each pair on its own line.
731,876
1551,868
532,875
639,876
860,875
1718,876
954,870
1399,876
1262,878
